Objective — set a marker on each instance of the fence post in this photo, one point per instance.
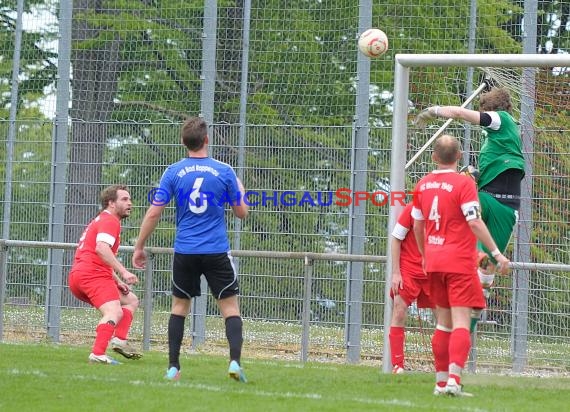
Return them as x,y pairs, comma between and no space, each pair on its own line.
397,183
14,97
358,183
58,176
198,316
472,358
147,303
3,265
306,319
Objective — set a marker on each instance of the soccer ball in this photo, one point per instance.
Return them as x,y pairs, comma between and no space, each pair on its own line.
373,43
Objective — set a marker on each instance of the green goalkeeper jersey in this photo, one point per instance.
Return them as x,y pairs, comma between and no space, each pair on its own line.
501,150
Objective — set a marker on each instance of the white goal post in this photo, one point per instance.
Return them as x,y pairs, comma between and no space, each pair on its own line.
403,64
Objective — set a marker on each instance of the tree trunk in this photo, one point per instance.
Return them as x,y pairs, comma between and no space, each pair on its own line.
94,85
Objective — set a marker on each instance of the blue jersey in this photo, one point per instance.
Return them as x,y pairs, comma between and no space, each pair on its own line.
202,189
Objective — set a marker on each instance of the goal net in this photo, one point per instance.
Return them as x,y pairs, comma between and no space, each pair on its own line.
531,301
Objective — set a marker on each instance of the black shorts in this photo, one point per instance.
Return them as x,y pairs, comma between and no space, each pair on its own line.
218,269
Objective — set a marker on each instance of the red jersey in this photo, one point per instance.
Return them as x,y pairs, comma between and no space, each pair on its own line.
443,199
105,228
410,257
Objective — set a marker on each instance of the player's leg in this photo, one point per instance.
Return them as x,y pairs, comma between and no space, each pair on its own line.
104,295
411,290
129,304
186,272
229,308
223,282
423,298
440,348
440,338
459,346
485,272
397,333
463,295
179,311
111,314
500,220
459,343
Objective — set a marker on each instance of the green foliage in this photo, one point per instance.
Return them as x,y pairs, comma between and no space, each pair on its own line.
553,25
498,19
29,204
36,69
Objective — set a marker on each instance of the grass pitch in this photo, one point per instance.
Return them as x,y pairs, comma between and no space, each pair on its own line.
48,377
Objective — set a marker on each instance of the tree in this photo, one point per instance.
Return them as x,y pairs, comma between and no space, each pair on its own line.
37,65
136,73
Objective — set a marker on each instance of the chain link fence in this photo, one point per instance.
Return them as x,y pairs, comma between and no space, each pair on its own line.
92,96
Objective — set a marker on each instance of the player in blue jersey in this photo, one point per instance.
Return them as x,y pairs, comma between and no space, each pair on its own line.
202,187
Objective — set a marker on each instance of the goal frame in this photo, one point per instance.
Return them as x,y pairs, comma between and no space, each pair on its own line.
403,64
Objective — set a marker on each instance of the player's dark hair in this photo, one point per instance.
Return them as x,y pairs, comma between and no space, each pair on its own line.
446,148
193,133
109,194
497,99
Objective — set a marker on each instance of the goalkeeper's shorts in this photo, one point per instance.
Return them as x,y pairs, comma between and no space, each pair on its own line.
500,220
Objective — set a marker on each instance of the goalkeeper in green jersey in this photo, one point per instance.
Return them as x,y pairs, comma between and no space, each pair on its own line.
501,170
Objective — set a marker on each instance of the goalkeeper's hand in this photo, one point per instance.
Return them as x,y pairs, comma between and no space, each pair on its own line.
470,171
426,116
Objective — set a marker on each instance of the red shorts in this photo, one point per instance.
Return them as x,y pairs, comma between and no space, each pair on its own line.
456,289
415,289
93,289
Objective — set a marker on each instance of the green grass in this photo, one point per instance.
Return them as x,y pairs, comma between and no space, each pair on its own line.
26,324
51,377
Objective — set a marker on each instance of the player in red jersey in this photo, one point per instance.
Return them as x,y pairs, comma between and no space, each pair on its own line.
447,225
92,278
409,284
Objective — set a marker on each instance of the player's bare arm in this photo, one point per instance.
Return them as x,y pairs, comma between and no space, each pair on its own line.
480,230
241,209
149,223
459,113
397,282
104,251
419,230
419,234
447,112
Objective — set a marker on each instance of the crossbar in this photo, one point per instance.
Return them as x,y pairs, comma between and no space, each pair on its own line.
480,60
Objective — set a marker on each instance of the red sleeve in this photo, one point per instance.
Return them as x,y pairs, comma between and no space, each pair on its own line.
416,196
417,201
468,191
109,225
405,218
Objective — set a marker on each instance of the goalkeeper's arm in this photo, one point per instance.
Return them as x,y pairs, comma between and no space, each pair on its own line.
448,112
459,113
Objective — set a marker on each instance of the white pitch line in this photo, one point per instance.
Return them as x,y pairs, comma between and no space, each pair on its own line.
265,394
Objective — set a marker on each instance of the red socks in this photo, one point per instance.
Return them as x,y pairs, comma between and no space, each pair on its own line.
440,349
459,345
397,345
104,333
124,325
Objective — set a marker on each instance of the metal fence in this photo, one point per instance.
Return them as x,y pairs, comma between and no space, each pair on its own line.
293,318
95,95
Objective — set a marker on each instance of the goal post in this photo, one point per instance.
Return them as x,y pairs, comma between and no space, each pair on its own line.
404,63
